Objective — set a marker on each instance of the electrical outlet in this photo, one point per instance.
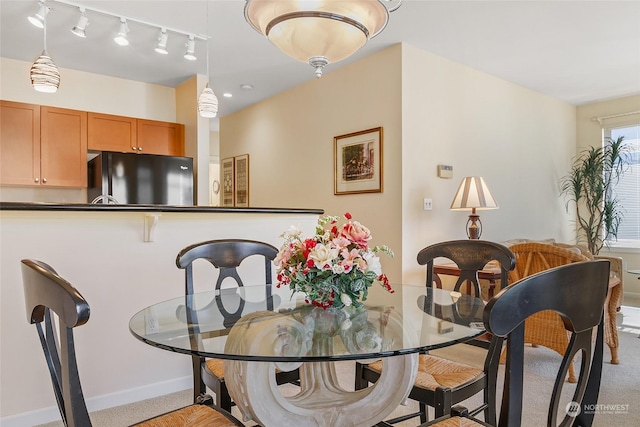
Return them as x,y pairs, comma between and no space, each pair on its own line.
427,204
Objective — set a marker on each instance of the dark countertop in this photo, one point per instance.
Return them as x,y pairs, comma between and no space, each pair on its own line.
79,207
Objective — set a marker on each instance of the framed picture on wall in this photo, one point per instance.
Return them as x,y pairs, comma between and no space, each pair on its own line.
357,159
241,168
227,176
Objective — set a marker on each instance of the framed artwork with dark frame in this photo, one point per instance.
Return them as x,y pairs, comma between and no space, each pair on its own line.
228,177
241,171
357,159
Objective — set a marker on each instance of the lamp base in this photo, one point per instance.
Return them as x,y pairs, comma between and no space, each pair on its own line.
474,227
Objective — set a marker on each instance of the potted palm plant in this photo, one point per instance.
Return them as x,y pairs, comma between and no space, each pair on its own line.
590,185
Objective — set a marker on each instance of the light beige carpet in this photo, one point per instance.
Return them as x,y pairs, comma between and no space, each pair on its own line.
620,386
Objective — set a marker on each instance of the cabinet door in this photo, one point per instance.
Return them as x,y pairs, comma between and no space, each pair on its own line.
160,138
19,143
111,133
63,147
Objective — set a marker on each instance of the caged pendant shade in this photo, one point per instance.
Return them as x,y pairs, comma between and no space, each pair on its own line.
318,32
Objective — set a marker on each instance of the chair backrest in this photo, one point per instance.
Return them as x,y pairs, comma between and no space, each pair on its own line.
560,289
470,256
45,292
535,257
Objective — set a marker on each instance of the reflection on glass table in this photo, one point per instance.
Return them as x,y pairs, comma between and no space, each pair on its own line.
235,325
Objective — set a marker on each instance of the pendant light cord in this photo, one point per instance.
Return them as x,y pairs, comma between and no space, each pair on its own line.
44,25
207,33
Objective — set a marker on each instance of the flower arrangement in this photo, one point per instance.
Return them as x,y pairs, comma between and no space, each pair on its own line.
335,267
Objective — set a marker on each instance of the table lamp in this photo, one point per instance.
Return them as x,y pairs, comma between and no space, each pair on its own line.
473,194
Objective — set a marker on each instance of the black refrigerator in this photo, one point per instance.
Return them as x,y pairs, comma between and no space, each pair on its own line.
144,179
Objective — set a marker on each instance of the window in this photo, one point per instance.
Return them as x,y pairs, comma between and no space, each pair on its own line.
628,189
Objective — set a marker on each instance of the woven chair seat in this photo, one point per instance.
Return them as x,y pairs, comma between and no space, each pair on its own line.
192,416
216,366
457,422
434,372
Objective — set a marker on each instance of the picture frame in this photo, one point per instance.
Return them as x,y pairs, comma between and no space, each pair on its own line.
241,173
357,159
227,177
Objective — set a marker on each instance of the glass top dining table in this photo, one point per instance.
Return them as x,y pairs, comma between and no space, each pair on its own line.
257,330
412,319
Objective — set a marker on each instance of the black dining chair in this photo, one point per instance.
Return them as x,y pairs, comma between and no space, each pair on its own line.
47,295
226,256
440,382
562,290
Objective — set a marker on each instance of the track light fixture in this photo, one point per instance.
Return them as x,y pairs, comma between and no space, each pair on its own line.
83,21
162,42
37,18
121,37
191,49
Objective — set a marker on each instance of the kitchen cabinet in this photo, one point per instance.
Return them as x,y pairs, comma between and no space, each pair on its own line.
130,135
19,143
111,133
63,147
42,146
156,137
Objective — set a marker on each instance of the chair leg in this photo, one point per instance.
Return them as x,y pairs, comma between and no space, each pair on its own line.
442,402
360,382
424,415
223,399
614,355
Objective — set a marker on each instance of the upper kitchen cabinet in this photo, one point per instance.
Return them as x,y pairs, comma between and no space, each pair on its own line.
63,147
112,133
19,143
160,138
42,146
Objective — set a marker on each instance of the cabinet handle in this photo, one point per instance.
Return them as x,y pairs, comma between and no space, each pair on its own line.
134,148
139,148
37,180
44,180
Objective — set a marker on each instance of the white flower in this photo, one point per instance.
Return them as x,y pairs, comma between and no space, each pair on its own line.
346,300
337,268
373,263
292,232
323,256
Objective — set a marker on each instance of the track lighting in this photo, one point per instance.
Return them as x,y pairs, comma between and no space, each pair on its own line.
121,37
37,18
83,21
191,48
162,42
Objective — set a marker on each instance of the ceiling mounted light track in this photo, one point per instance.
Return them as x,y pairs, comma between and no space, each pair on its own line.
162,42
121,36
319,32
37,19
83,21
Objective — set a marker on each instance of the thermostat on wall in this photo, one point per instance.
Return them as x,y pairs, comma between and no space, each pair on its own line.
445,171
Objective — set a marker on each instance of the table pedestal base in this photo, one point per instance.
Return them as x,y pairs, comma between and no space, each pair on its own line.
321,401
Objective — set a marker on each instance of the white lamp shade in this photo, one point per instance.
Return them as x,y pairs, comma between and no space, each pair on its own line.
322,28
473,193
208,103
44,74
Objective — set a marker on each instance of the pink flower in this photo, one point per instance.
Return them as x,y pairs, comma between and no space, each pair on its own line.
356,232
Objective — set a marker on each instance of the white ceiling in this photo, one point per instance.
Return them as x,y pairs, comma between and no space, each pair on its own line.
578,51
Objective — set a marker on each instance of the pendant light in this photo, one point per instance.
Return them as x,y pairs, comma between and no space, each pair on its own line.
45,76
208,101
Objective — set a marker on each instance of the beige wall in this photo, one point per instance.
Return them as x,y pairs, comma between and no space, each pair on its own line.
590,134
289,138
520,141
433,111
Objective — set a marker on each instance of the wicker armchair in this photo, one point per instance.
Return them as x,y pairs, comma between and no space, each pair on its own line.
545,328
613,302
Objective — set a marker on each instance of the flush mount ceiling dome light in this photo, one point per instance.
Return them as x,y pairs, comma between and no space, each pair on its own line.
319,32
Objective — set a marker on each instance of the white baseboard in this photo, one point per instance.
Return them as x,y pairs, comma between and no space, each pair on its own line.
124,397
